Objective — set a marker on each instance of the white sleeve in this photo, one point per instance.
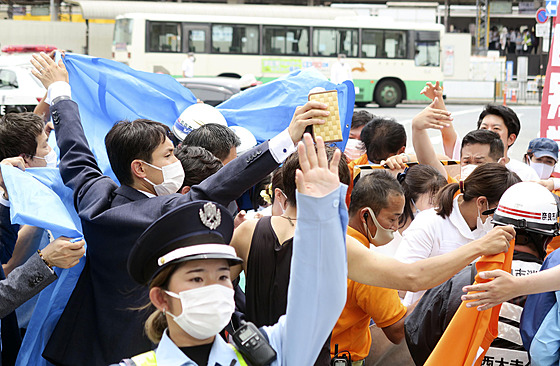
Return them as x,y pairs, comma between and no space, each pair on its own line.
281,146
457,149
58,89
417,243
3,201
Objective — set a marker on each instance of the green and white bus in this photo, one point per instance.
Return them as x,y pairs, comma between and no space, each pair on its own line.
390,61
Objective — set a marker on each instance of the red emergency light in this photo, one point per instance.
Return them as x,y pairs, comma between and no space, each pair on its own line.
28,49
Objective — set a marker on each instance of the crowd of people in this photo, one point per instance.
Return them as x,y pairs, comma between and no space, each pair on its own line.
289,252
520,41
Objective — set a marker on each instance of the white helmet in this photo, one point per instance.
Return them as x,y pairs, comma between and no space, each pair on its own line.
195,116
248,140
247,81
528,206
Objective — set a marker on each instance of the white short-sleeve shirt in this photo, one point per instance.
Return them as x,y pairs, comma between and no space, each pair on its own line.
430,235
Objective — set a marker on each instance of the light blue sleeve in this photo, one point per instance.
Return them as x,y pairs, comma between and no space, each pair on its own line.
545,347
317,290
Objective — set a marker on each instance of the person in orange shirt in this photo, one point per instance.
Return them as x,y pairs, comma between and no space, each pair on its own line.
383,137
376,205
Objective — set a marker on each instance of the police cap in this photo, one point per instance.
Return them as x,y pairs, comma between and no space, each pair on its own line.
196,230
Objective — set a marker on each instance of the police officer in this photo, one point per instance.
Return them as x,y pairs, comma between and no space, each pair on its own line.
186,264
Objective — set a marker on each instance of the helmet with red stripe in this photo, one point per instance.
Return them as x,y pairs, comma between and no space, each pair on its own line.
528,206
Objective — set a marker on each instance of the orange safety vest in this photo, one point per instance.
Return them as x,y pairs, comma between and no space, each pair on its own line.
470,333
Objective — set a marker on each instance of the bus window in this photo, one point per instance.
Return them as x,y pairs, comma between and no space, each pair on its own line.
395,44
348,42
427,53
123,33
285,40
164,37
235,39
372,43
324,42
383,44
196,39
426,48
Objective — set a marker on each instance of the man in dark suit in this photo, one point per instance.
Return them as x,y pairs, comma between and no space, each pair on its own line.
99,325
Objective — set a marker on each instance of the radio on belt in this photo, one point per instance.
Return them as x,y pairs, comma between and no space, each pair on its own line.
253,345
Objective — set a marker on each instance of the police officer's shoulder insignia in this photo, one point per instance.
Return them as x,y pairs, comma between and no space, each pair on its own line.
210,216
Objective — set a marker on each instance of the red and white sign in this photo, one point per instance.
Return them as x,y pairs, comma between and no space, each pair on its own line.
550,113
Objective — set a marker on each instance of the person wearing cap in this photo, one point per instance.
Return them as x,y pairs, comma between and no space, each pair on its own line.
187,268
542,156
113,216
435,310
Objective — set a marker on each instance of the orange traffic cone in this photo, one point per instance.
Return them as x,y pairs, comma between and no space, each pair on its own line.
514,96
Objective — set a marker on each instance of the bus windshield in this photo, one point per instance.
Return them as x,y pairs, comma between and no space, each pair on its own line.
123,33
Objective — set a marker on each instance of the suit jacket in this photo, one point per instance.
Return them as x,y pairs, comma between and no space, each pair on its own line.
23,283
100,325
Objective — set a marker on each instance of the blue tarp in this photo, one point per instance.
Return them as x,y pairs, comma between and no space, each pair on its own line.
268,109
107,92
38,197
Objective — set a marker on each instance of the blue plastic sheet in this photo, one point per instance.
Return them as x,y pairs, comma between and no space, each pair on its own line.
268,109
38,197
108,91
34,203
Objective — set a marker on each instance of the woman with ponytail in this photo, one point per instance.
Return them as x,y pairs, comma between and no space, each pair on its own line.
462,214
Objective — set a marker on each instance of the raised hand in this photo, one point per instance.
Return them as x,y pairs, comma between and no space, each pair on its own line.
316,178
47,71
432,91
432,117
304,116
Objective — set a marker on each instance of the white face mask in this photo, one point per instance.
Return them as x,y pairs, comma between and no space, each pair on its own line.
50,158
206,310
173,177
543,170
382,236
354,149
466,170
483,228
285,203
